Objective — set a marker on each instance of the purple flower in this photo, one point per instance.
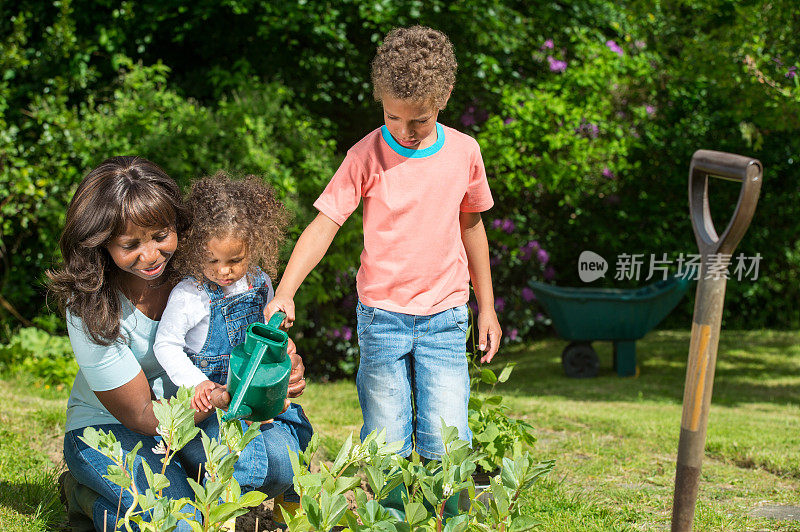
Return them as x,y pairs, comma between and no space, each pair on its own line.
639,44
556,65
525,253
649,109
347,333
508,120
497,223
607,173
473,305
539,317
614,47
548,45
549,273
499,304
792,72
508,226
533,244
543,256
467,119
527,294
336,333
512,334
494,261
588,129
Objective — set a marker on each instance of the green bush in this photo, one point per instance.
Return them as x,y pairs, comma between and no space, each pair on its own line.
47,358
257,130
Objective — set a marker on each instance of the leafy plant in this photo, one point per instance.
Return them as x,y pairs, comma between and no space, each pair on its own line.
425,488
494,434
218,499
46,357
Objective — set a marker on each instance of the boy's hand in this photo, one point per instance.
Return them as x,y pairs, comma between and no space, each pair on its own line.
489,333
202,396
285,305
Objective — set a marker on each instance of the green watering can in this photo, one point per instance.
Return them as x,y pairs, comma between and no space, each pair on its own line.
258,377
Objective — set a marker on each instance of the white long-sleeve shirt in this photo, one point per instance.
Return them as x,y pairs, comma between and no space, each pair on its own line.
184,323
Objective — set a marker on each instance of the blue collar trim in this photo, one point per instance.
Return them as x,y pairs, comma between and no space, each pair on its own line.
410,152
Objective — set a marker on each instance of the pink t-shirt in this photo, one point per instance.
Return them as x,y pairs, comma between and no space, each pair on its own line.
413,261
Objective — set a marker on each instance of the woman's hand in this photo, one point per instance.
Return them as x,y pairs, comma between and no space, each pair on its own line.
220,398
297,381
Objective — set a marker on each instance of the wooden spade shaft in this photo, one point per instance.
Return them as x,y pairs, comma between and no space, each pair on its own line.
707,318
697,398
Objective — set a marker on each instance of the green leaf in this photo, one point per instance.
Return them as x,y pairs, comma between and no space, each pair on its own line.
415,513
312,510
224,511
344,453
199,492
252,498
506,373
458,523
488,376
375,478
509,475
521,523
332,507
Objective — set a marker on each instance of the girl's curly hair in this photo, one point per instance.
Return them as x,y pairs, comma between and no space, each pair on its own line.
119,191
222,206
416,64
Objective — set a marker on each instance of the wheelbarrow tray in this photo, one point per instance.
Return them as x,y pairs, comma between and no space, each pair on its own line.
622,316
586,314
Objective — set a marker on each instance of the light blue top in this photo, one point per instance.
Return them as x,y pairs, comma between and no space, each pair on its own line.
411,153
107,367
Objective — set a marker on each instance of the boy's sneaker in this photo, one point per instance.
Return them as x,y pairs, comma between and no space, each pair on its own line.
78,500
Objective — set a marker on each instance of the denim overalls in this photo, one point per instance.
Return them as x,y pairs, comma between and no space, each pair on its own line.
227,325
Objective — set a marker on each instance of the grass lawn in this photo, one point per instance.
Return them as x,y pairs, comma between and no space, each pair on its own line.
614,439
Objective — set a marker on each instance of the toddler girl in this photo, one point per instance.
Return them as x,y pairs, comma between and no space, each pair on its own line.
237,228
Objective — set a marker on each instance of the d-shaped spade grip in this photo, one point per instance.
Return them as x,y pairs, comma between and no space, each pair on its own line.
729,166
707,317
258,377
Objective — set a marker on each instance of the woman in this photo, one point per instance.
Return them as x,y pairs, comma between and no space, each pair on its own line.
121,230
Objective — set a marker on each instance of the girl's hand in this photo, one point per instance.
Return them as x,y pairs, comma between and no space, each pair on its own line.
285,305
297,382
202,396
489,333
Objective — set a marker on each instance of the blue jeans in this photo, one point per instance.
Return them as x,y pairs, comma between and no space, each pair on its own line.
264,464
413,374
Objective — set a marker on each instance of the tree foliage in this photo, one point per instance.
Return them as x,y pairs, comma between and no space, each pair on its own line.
587,113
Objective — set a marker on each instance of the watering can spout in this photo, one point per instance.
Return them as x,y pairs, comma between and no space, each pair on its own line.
258,376
242,412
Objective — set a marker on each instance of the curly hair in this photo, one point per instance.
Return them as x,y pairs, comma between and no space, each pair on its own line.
222,206
119,191
416,64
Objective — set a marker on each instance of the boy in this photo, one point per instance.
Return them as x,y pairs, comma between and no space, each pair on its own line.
424,187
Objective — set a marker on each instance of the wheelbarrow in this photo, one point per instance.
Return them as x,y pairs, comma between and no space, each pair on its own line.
619,315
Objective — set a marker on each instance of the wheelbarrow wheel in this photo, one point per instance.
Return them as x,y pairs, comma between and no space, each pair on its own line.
580,361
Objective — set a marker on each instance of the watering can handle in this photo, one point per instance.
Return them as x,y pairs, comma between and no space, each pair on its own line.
729,166
276,319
